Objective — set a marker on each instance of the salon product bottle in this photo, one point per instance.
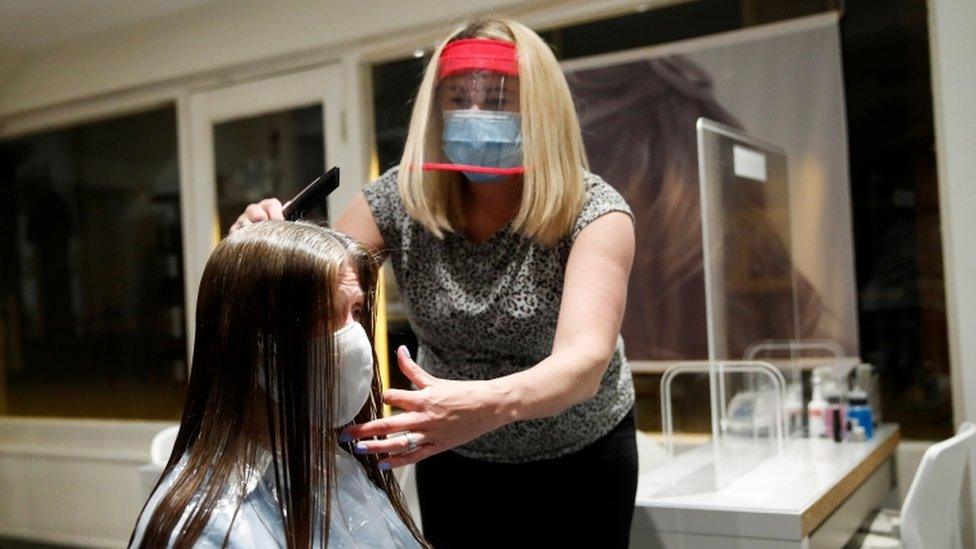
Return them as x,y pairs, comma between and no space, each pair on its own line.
836,423
835,417
859,409
794,409
816,410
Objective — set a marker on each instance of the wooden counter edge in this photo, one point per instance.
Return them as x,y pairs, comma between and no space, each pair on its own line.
823,507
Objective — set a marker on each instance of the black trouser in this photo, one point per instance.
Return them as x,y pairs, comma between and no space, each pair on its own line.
584,499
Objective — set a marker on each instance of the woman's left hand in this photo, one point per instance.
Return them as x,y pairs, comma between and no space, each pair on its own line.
439,415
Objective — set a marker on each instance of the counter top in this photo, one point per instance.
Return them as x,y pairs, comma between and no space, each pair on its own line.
783,496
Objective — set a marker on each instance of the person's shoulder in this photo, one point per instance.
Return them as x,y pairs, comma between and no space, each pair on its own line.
598,191
384,201
383,193
385,184
601,199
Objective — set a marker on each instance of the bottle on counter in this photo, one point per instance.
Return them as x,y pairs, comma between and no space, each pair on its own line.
794,409
858,409
835,421
855,432
816,410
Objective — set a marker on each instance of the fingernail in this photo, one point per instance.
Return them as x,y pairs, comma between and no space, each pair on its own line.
384,466
360,448
406,351
345,437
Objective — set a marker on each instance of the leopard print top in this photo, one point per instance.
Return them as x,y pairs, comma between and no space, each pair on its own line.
482,311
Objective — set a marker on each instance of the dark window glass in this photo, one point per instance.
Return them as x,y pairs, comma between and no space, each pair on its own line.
91,277
395,85
895,200
272,154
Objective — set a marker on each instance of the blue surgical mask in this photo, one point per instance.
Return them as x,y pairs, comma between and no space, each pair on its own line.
492,139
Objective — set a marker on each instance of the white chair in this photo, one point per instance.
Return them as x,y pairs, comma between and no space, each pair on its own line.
162,445
931,516
159,451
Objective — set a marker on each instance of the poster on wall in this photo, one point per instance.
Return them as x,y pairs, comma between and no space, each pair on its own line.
781,83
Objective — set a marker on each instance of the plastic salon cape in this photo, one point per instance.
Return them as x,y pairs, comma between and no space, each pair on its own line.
362,515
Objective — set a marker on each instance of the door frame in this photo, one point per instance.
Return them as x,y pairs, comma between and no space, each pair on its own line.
205,108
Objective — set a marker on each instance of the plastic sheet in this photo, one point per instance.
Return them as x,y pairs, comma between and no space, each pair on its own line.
362,515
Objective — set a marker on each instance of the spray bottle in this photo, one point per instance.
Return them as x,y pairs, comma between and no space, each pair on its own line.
816,409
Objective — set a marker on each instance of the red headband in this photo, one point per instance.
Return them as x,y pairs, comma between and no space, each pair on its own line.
478,54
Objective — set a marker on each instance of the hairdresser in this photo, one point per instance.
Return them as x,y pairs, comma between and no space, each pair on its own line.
512,262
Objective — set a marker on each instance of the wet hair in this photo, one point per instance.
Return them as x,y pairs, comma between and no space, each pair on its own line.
262,377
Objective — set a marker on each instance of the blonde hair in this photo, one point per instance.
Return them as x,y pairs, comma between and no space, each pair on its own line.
552,191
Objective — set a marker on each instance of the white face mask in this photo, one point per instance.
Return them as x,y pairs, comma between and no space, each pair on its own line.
354,360
354,379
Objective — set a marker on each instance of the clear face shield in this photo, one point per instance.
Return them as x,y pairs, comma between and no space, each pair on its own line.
478,102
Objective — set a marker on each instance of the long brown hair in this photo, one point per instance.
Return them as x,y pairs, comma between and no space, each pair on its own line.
262,376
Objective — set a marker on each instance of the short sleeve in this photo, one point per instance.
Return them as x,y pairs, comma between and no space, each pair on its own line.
383,198
601,199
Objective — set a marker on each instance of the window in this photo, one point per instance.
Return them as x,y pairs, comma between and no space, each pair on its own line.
92,320
271,154
895,199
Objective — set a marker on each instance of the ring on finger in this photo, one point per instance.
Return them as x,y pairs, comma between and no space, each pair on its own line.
412,443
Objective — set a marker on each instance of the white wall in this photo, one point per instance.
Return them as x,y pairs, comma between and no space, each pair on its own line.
216,35
72,482
953,44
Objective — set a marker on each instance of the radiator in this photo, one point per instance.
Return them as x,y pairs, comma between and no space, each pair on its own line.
72,482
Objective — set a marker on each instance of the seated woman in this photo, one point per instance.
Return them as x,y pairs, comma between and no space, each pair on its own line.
283,357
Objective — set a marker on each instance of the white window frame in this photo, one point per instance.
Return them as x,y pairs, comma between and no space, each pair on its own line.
314,86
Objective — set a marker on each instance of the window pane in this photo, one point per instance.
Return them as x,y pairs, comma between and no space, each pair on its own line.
895,198
91,281
274,154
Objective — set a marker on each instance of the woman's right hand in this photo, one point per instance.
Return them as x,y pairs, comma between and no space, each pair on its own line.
269,208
